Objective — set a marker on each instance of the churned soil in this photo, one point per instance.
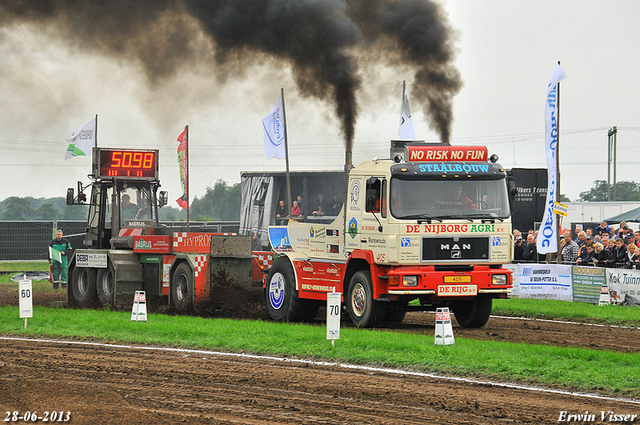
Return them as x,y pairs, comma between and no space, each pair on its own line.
122,384
128,385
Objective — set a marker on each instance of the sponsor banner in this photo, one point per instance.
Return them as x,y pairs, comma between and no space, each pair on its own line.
547,237
91,259
587,282
192,242
545,282
152,244
437,229
167,261
623,282
354,195
279,239
303,237
457,290
446,153
409,248
515,274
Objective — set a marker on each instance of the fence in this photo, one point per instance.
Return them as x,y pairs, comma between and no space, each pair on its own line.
29,240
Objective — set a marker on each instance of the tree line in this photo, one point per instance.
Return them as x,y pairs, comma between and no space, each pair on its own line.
219,203
222,203
624,191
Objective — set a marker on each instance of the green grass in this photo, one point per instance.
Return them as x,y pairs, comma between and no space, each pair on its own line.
562,310
23,266
575,368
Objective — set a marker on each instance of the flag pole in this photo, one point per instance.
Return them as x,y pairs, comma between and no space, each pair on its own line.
286,154
186,186
404,87
558,221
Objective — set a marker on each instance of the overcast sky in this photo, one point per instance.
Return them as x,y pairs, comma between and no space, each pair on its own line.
506,52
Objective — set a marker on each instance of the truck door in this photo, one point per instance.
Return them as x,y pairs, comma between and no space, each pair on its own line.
99,219
372,229
354,207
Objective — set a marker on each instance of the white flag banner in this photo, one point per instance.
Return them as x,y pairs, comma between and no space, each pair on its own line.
548,237
273,125
406,124
82,140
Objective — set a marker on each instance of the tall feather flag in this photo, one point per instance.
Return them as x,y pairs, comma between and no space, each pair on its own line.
82,140
274,131
183,139
547,237
406,124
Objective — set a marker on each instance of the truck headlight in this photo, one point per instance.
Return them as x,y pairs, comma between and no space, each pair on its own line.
499,279
410,281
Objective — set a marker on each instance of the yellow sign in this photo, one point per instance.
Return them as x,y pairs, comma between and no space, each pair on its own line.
457,279
560,209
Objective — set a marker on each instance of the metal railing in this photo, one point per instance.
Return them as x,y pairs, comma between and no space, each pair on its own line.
29,240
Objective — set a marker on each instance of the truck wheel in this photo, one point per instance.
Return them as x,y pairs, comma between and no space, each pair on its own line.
182,288
106,286
281,296
365,312
474,313
279,290
83,286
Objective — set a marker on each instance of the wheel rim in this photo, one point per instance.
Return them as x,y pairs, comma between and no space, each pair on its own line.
276,291
182,289
358,299
107,284
83,283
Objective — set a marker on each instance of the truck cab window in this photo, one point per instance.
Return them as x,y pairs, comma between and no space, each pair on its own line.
372,193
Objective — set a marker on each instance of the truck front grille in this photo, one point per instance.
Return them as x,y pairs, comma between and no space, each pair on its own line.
455,249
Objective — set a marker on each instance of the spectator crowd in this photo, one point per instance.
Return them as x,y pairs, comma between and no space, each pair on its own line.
298,211
603,246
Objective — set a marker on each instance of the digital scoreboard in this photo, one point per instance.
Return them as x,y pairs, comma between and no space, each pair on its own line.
126,163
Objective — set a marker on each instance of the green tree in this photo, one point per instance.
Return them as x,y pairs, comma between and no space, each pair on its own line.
222,203
46,211
625,191
167,213
74,212
16,208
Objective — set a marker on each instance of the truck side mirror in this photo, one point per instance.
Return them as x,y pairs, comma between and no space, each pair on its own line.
70,196
82,198
164,196
513,191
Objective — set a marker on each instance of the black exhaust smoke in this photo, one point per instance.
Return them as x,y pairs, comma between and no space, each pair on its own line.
321,40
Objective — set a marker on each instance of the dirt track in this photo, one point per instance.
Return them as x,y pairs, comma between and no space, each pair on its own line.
123,385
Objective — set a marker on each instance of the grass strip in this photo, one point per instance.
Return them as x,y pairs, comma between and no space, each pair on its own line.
23,266
560,367
572,311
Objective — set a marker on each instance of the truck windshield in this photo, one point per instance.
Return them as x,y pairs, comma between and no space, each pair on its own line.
443,199
136,203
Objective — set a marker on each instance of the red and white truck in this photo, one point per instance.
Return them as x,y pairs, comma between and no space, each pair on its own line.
428,228
429,231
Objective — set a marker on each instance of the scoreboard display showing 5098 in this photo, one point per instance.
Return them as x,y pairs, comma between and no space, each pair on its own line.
127,163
